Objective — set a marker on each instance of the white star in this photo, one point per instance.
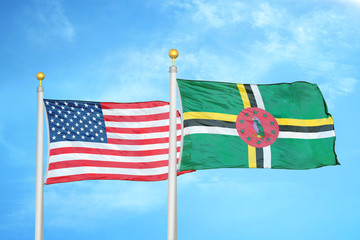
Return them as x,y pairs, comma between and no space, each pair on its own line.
78,133
92,110
82,137
72,108
96,106
84,117
52,120
58,124
53,137
80,121
86,105
56,103
99,123
92,138
59,111
62,107
76,104
68,132
72,128
67,124
71,120
86,125
88,114
50,112
66,103
61,120
90,122
87,134
53,107
73,136
91,130
56,116
76,124
58,132
82,109
82,129
102,139
63,136
101,131
78,112
95,127
63,128
53,129
47,103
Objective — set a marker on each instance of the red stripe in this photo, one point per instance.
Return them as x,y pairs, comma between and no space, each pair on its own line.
140,141
139,118
111,105
91,163
65,150
94,176
140,130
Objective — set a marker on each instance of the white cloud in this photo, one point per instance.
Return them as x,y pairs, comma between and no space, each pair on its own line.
337,87
73,204
53,23
212,13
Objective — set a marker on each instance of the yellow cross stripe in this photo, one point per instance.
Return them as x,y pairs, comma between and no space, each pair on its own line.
252,156
210,115
305,122
244,95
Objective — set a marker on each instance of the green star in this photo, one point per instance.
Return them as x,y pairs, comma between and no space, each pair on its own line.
272,123
242,130
265,116
241,121
268,139
255,112
247,114
273,132
249,138
258,142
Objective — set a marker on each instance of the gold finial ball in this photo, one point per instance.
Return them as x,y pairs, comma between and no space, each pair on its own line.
40,76
173,53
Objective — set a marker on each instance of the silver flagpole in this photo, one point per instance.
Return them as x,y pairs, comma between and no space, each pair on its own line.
39,194
172,206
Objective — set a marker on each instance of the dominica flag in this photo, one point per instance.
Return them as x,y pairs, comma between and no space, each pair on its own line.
281,126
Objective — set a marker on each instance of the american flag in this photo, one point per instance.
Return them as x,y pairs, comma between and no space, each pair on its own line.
104,140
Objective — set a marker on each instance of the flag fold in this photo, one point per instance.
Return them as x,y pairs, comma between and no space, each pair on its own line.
228,125
112,141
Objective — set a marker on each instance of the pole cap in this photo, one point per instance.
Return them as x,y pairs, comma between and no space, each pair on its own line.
40,76
173,54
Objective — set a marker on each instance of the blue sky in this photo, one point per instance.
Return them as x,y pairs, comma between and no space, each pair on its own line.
117,51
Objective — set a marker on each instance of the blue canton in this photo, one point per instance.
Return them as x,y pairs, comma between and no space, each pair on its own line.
75,121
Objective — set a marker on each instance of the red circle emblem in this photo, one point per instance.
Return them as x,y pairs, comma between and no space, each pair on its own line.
257,127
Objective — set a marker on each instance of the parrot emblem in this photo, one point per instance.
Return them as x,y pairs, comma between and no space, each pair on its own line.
258,128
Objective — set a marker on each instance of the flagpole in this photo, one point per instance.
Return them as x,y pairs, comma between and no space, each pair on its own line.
39,192
172,205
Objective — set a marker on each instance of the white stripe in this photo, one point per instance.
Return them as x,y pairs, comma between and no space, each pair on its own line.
120,147
100,170
210,130
100,157
157,123
142,136
258,98
136,112
267,157
300,135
